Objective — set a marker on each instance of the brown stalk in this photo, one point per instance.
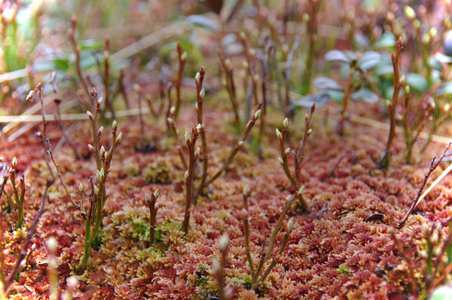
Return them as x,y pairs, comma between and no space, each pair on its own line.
182,58
385,160
153,208
189,174
76,49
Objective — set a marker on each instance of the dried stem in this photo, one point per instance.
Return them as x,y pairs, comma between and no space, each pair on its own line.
57,167
433,166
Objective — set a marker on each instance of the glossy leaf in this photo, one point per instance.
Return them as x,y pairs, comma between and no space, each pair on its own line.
365,95
320,99
325,83
387,40
336,55
369,60
417,82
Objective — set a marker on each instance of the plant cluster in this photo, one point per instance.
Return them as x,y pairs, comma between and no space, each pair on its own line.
359,222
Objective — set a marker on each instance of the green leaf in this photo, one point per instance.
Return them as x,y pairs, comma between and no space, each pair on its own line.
446,88
434,63
320,99
369,60
61,64
336,96
90,45
442,293
387,40
365,95
336,55
417,82
325,83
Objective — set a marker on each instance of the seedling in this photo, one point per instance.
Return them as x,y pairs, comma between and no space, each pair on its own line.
257,279
298,154
153,208
103,160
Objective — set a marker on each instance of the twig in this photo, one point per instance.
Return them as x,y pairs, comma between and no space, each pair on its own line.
420,196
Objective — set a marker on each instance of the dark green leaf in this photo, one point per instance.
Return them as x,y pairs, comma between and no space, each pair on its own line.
61,64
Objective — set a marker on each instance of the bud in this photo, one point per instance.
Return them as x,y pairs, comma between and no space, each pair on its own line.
80,188
280,161
199,127
289,198
245,65
101,175
186,176
306,118
409,12
72,282
14,163
96,190
256,78
147,197
137,87
52,244
416,24
240,144
114,125
407,89
187,138
156,193
244,213
433,32
99,102
102,151
90,115
309,131
183,57
118,139
242,35
252,52
91,148
170,121
290,225
285,123
257,114
426,39
306,17
30,96
197,153
223,243
172,110
227,63
100,130
198,78
202,94
287,151
301,190
278,134
246,191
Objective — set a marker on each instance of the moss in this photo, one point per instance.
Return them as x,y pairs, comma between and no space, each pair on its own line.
160,171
